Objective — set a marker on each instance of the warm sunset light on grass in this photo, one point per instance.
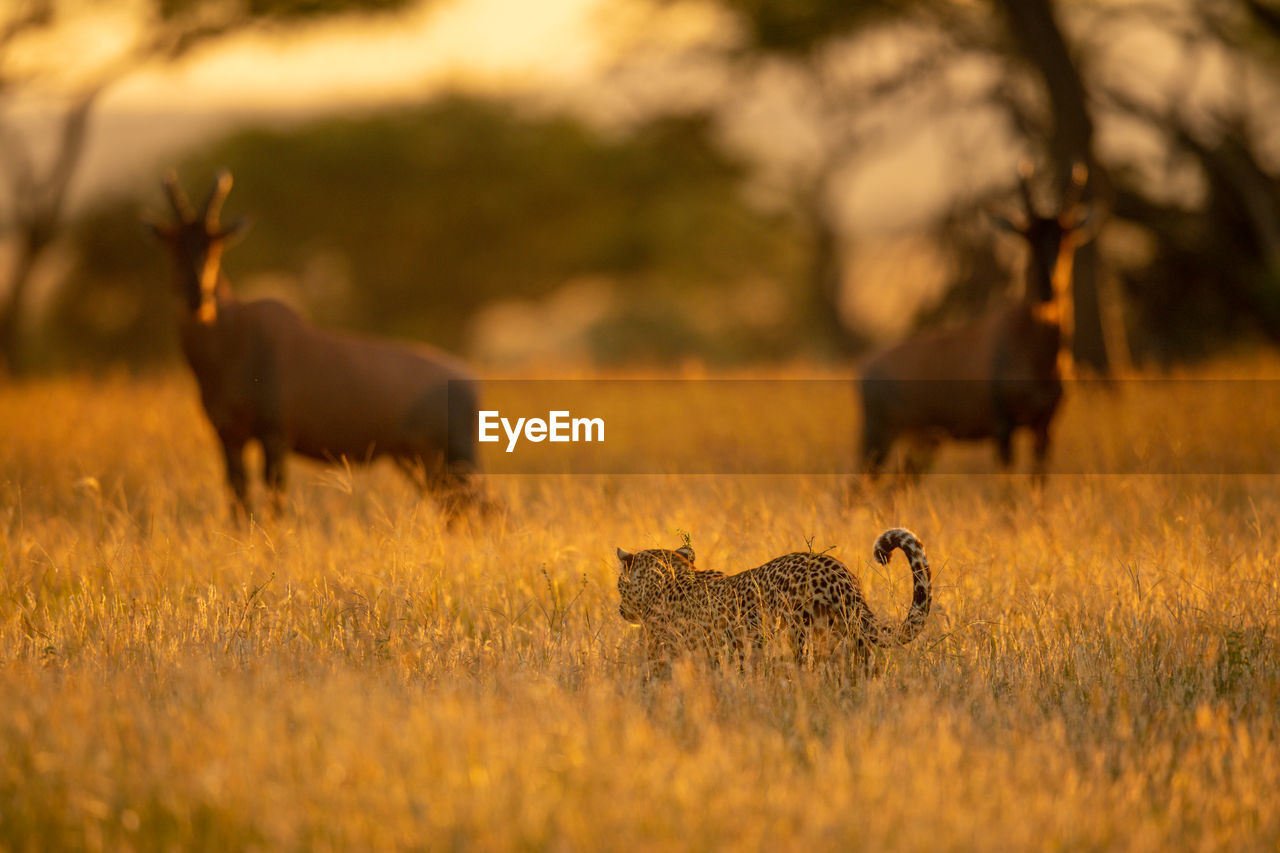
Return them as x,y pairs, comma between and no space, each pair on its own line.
721,274
1099,669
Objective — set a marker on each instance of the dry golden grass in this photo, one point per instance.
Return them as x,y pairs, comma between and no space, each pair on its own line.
1100,669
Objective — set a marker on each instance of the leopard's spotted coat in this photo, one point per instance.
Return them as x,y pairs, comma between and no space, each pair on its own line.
686,609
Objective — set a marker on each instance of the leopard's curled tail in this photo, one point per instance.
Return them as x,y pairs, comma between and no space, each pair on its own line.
921,595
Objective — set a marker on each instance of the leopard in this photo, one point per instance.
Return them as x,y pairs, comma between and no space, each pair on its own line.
684,609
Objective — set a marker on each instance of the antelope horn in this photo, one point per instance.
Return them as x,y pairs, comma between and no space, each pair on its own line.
1025,170
217,195
177,198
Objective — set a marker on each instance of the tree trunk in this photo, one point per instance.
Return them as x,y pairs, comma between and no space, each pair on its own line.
38,208
824,282
1038,37
11,350
825,279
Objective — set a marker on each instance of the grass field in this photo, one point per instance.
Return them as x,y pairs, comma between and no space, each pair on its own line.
1100,669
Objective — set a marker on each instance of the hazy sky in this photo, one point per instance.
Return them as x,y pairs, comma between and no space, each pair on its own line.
543,46
477,42
563,51
148,118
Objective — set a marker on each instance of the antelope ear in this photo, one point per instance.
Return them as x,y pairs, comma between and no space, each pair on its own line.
625,557
1083,221
686,552
232,233
161,230
1005,224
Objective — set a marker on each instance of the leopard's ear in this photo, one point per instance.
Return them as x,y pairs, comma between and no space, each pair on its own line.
625,557
686,552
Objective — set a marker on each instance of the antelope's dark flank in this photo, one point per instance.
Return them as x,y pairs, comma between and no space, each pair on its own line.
268,375
995,374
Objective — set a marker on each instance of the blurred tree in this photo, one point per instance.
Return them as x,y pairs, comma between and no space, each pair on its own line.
802,34
1069,139
407,223
811,34
1214,272
35,65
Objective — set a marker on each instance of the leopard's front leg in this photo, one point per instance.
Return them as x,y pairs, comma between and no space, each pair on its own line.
658,650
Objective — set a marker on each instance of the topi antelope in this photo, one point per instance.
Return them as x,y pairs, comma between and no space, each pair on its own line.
265,373
995,373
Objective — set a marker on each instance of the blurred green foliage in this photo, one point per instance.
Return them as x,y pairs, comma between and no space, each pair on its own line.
435,211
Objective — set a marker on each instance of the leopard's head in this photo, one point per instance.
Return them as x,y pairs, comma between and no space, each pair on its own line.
643,576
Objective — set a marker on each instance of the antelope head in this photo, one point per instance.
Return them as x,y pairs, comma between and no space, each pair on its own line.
1052,239
197,241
